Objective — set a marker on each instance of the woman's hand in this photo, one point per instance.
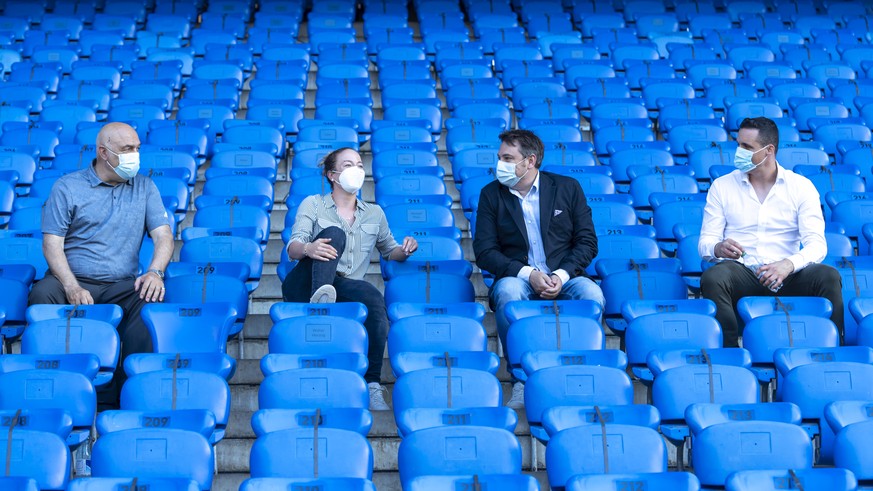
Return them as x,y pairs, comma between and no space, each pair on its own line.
320,250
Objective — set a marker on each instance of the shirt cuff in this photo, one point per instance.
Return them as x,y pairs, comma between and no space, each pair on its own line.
565,277
524,273
798,261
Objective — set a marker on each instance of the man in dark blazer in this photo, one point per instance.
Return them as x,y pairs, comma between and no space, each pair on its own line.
534,232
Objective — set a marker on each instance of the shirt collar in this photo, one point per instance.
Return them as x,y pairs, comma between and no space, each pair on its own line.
780,175
330,203
534,188
94,180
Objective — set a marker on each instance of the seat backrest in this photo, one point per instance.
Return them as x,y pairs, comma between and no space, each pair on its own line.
814,386
507,482
676,389
458,450
350,310
341,453
433,287
120,483
318,334
772,480
266,421
193,390
50,389
39,455
764,335
578,385
673,330
786,359
194,288
559,418
520,309
84,336
189,328
110,313
660,481
430,388
627,449
723,449
436,333
852,450
540,332
702,415
312,388
152,453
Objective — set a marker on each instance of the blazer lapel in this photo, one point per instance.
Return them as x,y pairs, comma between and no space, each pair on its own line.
514,207
547,205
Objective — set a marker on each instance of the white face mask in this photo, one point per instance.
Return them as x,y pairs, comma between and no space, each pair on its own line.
506,174
352,179
743,160
128,164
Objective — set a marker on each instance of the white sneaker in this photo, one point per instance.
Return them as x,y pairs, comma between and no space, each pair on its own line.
377,397
324,294
517,399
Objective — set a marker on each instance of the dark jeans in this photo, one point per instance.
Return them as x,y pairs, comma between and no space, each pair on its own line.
132,330
309,275
729,281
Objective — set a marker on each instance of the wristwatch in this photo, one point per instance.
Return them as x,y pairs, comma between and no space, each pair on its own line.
157,272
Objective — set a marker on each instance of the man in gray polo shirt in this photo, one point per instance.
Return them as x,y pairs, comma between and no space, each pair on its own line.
93,225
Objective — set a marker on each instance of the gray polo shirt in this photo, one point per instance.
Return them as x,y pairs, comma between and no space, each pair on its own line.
370,231
103,225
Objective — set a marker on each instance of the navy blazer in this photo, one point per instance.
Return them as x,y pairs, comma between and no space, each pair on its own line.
567,230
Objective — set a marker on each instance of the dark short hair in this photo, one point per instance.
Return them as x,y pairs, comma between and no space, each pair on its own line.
527,142
328,163
768,132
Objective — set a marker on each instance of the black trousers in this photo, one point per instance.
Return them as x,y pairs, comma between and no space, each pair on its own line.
132,330
729,281
309,275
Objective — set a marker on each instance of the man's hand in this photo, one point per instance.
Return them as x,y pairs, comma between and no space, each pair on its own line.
773,275
150,287
77,295
321,250
554,289
728,249
539,282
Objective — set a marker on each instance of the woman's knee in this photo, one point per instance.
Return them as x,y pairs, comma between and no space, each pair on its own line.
336,235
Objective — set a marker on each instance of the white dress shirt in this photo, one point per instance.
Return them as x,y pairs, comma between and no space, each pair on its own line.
530,211
769,231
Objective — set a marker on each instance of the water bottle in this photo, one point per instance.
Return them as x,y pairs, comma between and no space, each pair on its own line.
753,263
83,459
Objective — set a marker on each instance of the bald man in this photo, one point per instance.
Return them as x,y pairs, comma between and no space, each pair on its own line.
93,225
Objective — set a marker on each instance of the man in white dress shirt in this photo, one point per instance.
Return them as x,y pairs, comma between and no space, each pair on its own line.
755,221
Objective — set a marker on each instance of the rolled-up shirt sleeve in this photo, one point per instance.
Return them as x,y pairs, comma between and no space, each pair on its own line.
304,221
811,225
712,229
385,241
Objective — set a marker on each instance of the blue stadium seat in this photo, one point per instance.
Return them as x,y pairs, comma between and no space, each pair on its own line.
355,419
189,328
433,336
313,388
38,455
579,451
193,390
509,482
117,483
194,288
54,389
85,335
812,387
476,450
717,451
771,480
172,453
659,481
559,386
342,453
327,484
668,331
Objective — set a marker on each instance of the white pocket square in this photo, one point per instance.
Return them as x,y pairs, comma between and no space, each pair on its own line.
558,212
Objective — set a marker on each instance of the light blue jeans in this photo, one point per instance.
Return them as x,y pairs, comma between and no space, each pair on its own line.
511,288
